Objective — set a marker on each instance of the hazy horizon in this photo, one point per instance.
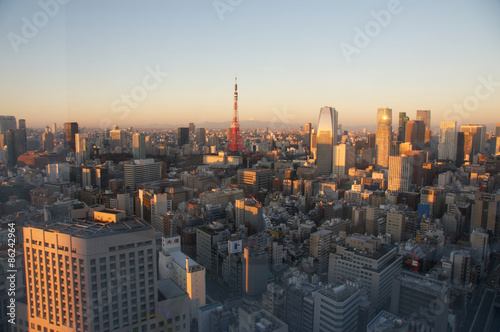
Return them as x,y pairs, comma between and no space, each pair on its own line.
79,61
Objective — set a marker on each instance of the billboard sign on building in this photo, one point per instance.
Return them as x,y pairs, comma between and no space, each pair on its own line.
172,243
235,246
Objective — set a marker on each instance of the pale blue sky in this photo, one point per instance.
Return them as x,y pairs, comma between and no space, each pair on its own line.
287,56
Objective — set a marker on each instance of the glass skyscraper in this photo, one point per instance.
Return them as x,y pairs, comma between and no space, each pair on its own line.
326,139
384,136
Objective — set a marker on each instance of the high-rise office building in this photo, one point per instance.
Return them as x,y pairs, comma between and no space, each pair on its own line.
403,119
7,122
182,136
308,128
70,129
478,137
395,226
326,139
400,168
117,138
336,308
82,147
200,136
22,124
140,171
434,197
319,248
365,258
139,146
192,128
486,212
152,205
421,300
415,134
497,130
448,141
48,141
54,128
255,270
249,213
254,179
383,136
344,158
424,116
91,275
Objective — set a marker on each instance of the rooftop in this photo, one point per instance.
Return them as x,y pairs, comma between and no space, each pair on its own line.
384,321
423,283
89,228
168,289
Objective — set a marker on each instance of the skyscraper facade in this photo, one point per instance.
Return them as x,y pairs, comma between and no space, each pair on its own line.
448,141
424,116
70,129
91,275
383,136
7,123
403,119
139,146
344,158
200,136
182,136
415,134
478,137
399,173
326,139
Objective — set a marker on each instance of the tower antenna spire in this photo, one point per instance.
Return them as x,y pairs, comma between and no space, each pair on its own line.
235,142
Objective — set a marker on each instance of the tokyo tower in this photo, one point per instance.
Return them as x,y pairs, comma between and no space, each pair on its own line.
235,143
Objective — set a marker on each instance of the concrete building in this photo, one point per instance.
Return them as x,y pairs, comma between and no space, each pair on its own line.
249,213
173,306
320,248
365,260
95,266
186,273
140,171
486,212
253,318
383,136
254,179
255,271
152,205
434,197
336,308
206,238
344,158
422,301
387,322
395,226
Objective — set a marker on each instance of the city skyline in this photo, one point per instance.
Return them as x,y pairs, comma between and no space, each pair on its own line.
78,63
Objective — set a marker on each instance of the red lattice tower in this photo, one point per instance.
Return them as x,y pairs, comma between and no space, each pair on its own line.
235,143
